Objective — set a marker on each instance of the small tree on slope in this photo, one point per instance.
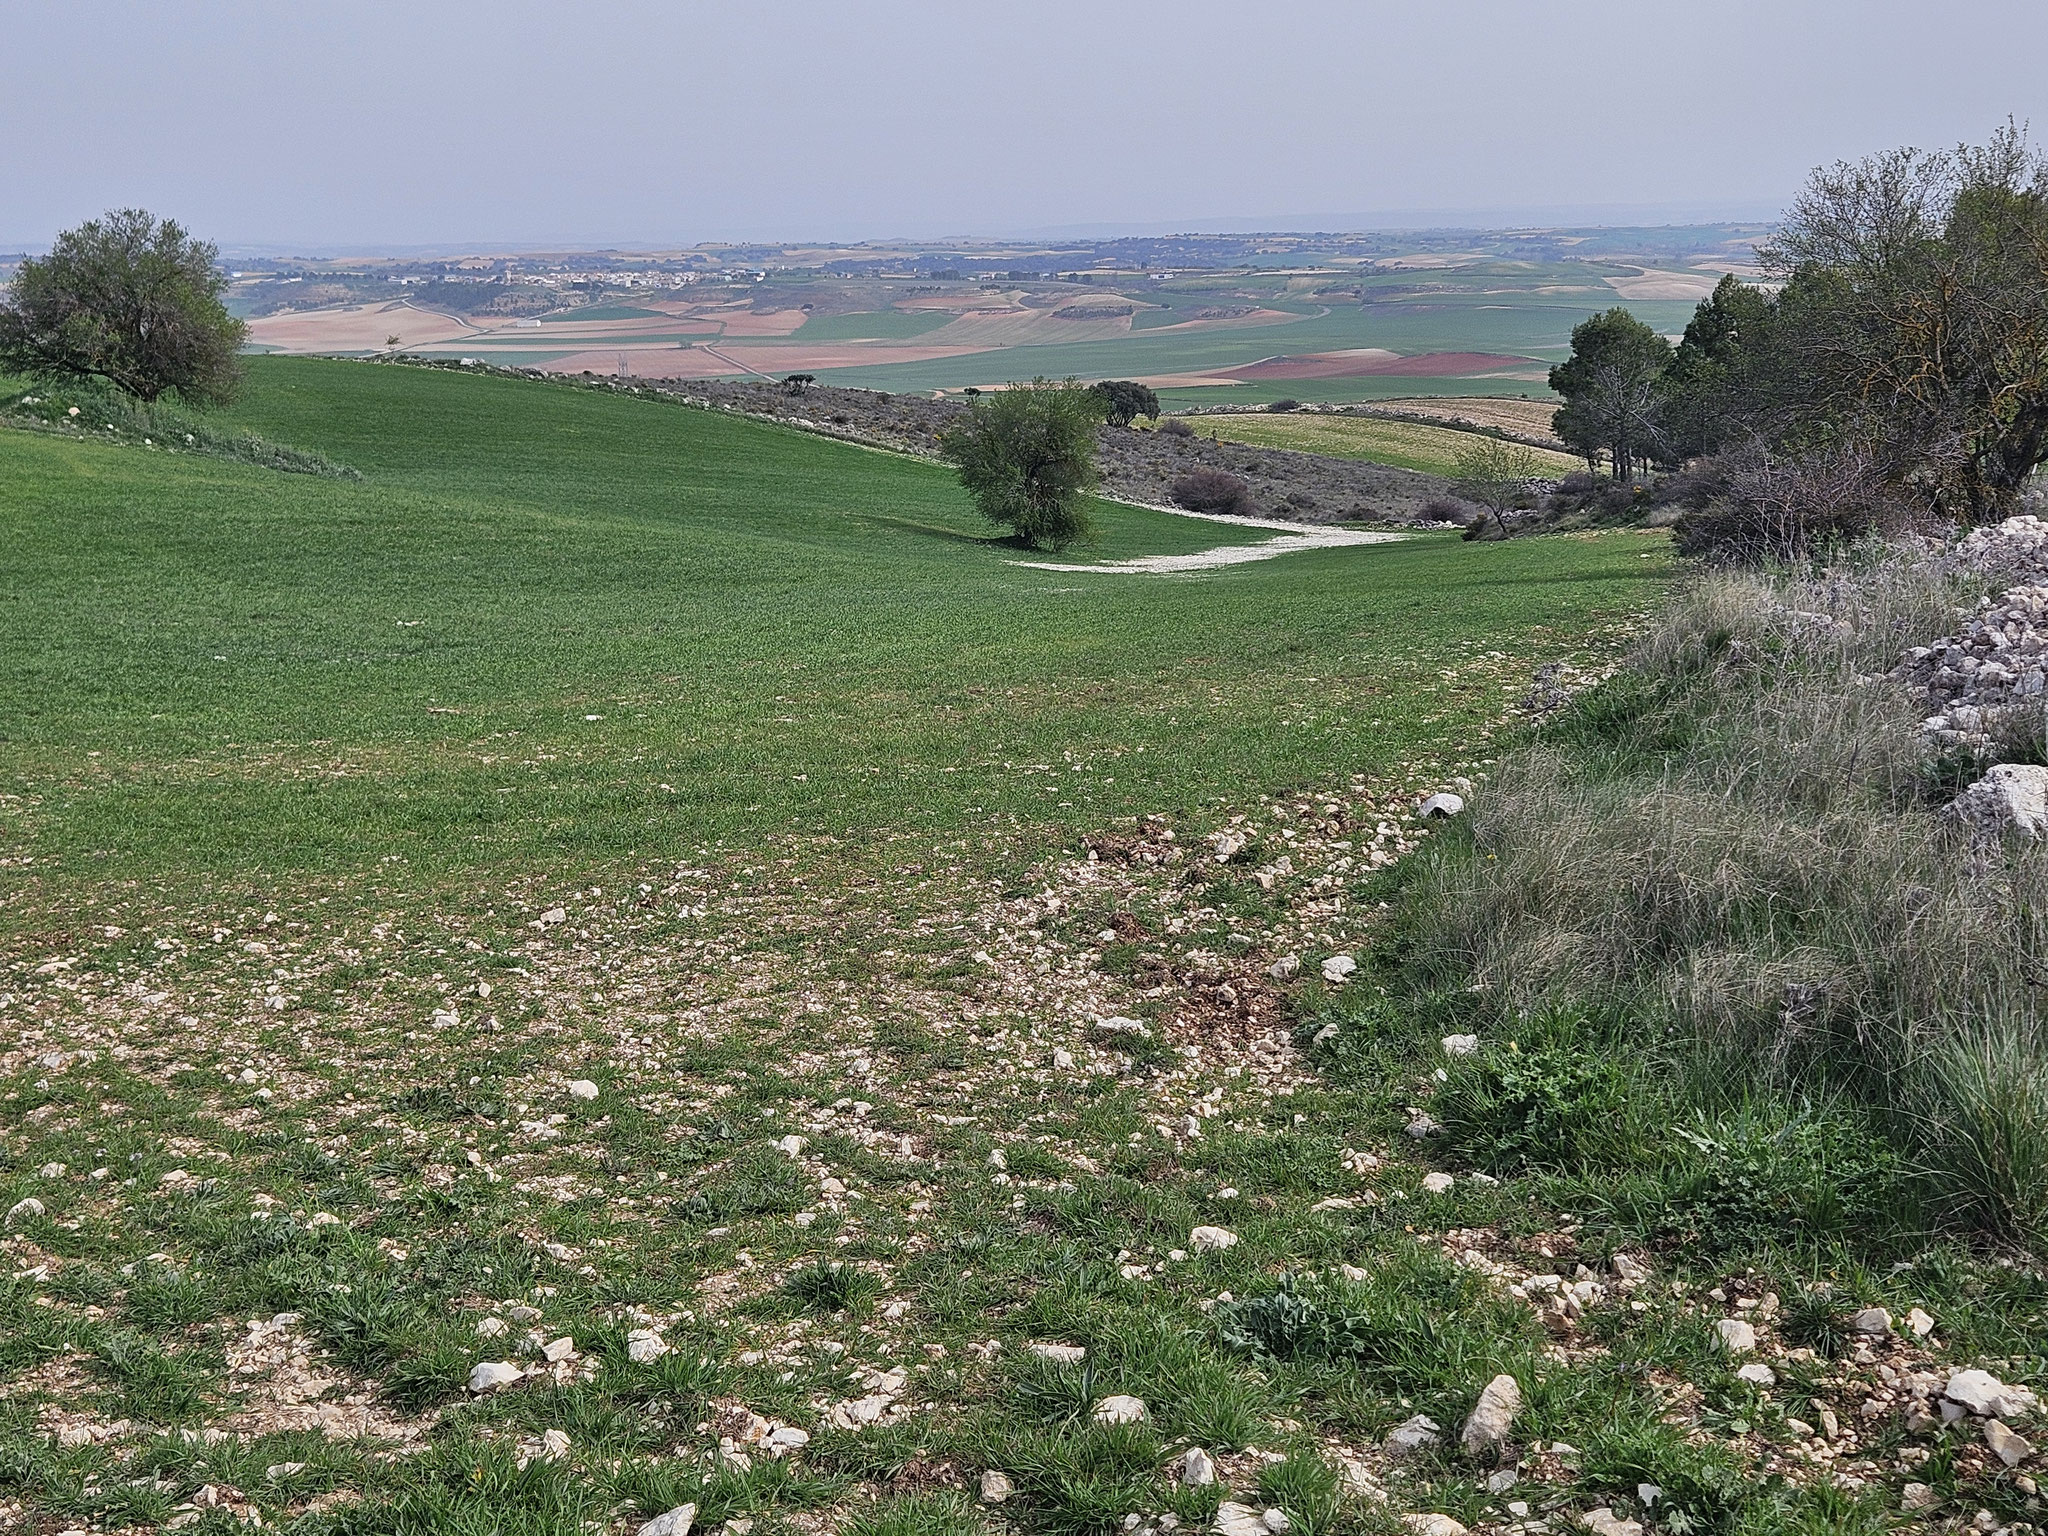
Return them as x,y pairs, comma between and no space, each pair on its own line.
131,299
1027,456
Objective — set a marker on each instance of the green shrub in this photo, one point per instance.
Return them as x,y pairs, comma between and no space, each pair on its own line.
1557,1096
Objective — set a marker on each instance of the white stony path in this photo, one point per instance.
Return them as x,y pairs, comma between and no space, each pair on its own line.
1294,538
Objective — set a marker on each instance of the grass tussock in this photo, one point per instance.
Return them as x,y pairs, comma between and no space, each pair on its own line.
1716,894
87,408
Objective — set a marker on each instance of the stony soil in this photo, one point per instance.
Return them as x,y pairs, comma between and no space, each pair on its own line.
1136,466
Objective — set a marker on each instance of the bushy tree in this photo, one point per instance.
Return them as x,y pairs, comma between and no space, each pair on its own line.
1611,386
1719,370
1495,474
128,298
1125,400
1027,456
1915,316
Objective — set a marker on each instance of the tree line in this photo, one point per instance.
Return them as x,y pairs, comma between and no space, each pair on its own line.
1895,352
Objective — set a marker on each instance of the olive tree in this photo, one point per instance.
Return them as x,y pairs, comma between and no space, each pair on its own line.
129,298
1495,474
1027,456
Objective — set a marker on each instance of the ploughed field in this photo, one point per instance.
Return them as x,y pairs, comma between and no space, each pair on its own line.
631,958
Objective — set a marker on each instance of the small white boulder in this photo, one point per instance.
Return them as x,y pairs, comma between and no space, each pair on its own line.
644,1346
1416,1434
583,1088
1212,1239
2011,797
1735,1336
1444,804
490,1375
2007,1446
1985,1395
1120,1409
1338,969
1461,1045
1493,1417
1059,1354
676,1522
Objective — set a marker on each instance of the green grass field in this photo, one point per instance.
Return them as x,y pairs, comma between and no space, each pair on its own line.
886,324
655,904
1406,445
265,673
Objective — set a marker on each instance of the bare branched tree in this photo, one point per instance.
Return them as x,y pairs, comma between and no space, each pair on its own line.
1916,304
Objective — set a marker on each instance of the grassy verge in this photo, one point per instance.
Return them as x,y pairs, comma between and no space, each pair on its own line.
87,409
1719,946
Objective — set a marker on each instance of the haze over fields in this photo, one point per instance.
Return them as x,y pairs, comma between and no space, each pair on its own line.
379,125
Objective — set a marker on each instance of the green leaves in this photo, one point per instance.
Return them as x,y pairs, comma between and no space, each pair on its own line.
1027,456
131,299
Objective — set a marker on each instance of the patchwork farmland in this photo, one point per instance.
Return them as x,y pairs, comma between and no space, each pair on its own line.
1227,320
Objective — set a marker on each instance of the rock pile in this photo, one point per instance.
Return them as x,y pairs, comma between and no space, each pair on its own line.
1996,664
2014,552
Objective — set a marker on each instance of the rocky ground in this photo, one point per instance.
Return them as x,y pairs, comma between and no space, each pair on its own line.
1136,466
881,1196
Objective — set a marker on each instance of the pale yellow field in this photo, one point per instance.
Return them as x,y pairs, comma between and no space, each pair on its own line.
1523,418
1403,444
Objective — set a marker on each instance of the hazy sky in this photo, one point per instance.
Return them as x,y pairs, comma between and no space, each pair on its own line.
363,123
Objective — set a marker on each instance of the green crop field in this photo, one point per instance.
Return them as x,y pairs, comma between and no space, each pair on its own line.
561,980
885,324
274,672
1407,445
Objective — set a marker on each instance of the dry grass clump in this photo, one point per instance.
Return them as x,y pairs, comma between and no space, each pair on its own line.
1736,845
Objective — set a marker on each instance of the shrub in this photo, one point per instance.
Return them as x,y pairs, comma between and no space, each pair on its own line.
1213,491
1786,508
1441,509
1027,456
1173,426
1283,406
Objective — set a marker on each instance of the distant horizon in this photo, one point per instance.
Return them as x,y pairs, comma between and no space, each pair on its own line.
383,127
1415,222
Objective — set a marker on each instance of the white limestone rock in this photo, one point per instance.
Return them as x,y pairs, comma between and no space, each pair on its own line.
1493,1417
490,1375
1120,1409
676,1522
1735,1336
